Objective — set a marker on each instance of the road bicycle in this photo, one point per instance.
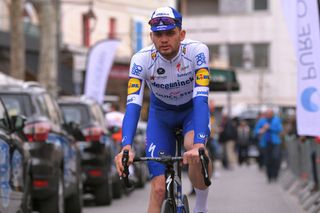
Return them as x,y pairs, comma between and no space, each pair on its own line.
175,201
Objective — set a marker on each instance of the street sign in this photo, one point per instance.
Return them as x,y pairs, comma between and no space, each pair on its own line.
223,80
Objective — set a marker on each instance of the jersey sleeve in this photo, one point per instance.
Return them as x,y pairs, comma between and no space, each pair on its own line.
201,114
134,100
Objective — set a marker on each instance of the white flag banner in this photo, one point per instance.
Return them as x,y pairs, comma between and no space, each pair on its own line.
303,21
99,62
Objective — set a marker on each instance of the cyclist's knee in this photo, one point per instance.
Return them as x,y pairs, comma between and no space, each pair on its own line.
158,187
159,192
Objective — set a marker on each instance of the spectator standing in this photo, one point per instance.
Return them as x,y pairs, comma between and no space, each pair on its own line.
258,137
227,137
270,132
114,120
243,139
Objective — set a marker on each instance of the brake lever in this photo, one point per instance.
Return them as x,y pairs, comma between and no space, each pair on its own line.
125,174
204,162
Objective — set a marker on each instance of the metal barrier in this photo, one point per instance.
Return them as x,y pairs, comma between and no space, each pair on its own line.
303,172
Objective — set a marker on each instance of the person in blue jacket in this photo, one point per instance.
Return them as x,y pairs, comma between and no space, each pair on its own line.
269,129
259,139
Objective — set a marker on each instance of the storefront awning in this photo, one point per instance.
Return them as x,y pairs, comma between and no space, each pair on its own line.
223,80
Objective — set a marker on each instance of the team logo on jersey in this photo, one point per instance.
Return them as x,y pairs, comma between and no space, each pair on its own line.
131,100
161,71
153,55
201,59
172,85
205,93
178,67
124,139
201,135
184,50
136,69
134,86
202,77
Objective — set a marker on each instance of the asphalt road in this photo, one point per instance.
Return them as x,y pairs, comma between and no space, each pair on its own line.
241,190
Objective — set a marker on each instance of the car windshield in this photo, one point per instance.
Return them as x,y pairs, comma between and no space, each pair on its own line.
17,104
75,113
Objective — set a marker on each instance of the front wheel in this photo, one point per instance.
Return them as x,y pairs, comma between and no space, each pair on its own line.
185,204
167,207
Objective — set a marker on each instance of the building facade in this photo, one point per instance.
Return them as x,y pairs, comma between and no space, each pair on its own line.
251,37
82,23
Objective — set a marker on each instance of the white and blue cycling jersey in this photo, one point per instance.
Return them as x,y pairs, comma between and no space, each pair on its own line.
178,95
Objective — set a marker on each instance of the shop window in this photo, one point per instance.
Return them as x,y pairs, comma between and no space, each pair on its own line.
261,55
206,7
235,55
260,5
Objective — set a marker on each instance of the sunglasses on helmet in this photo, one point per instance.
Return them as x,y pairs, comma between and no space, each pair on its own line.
162,21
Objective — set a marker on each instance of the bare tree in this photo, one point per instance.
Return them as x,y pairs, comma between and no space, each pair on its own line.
17,40
47,68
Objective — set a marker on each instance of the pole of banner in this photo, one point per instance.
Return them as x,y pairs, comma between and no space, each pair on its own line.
319,9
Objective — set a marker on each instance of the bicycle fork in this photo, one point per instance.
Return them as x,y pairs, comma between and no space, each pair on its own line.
174,190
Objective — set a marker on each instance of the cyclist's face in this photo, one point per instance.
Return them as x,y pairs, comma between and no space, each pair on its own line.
168,42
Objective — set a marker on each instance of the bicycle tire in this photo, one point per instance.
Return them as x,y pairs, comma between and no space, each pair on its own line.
185,201
167,207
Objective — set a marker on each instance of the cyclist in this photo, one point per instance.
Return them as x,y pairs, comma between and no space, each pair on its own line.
176,71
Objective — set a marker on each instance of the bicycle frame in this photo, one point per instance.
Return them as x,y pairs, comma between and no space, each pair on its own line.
173,181
174,189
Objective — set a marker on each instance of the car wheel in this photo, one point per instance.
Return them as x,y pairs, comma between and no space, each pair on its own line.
26,206
103,193
74,203
55,203
117,188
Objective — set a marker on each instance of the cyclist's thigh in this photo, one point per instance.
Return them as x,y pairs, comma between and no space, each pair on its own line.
160,140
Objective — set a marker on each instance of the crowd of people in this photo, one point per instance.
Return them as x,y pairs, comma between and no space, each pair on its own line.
238,140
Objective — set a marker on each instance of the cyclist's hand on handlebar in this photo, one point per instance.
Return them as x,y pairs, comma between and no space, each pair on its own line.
118,159
192,156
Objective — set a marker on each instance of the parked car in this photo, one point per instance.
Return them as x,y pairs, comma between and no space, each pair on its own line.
85,121
114,118
15,179
55,167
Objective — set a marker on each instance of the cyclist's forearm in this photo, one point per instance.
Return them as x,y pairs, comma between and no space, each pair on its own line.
129,124
201,119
